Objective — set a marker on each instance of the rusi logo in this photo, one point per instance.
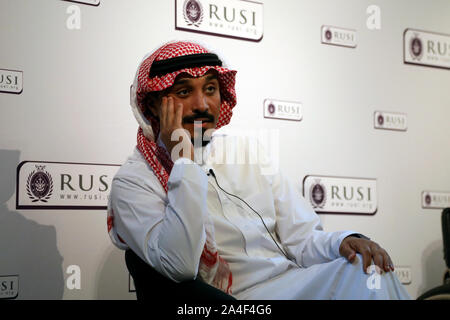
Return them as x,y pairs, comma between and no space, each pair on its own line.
426,48
341,195
89,2
390,121
286,110
39,185
435,200
63,185
317,194
9,287
11,81
193,12
416,47
339,36
229,18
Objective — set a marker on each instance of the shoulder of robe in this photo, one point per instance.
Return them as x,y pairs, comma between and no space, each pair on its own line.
137,171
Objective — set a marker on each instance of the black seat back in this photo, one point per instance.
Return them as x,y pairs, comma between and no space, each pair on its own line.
446,235
151,285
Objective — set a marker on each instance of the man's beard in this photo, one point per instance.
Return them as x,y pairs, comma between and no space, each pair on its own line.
203,140
193,119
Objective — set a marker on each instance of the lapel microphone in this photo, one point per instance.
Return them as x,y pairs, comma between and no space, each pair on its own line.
211,172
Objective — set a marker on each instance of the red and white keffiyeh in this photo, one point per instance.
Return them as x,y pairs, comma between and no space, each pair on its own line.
213,269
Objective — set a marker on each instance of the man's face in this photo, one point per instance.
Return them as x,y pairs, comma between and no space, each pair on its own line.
200,98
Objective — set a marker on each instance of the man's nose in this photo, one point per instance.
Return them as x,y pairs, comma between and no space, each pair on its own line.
199,103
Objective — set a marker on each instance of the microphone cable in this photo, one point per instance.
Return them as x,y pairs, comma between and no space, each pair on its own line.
214,176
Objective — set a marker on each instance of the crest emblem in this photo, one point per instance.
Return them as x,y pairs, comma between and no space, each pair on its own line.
427,199
380,119
193,12
39,185
416,47
317,194
271,108
328,35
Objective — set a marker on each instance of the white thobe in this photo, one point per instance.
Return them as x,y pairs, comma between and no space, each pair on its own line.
167,230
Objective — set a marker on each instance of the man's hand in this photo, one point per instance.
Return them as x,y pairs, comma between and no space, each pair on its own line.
170,123
369,250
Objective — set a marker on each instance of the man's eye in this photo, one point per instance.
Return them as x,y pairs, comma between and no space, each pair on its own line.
182,92
211,88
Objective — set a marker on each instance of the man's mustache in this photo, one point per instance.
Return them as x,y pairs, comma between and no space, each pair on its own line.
200,116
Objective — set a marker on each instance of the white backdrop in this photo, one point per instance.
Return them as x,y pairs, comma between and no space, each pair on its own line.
75,108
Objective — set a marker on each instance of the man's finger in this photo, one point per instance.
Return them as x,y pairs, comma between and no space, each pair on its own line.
379,260
384,257
367,257
170,112
162,112
386,261
179,115
389,263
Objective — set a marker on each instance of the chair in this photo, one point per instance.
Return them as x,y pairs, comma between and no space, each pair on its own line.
151,285
442,292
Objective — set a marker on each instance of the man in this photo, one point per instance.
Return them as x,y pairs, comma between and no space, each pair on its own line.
248,234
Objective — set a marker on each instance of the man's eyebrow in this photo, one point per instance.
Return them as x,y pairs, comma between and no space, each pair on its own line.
183,81
212,76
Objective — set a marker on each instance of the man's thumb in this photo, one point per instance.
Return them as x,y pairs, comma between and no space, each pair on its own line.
349,253
351,257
